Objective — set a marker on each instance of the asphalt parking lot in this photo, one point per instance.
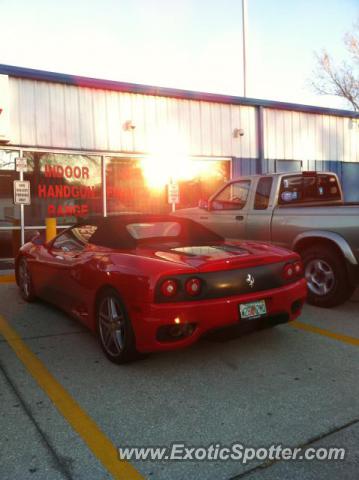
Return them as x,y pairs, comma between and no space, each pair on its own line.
295,385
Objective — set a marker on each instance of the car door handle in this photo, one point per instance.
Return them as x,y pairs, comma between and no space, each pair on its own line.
59,257
239,217
203,218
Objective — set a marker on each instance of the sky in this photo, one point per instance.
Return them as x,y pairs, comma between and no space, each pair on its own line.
186,44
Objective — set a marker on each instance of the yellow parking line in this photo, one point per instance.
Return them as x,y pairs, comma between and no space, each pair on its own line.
79,420
326,333
7,278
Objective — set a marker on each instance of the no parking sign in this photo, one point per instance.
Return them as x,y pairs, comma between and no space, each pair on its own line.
22,192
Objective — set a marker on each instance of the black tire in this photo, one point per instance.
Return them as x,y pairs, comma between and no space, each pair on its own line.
326,275
114,329
25,281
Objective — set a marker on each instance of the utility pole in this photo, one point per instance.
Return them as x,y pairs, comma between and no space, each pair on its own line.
244,35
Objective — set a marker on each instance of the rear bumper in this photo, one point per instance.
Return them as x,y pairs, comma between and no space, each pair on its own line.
213,314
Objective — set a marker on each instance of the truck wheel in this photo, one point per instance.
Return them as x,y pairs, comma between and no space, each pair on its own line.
326,277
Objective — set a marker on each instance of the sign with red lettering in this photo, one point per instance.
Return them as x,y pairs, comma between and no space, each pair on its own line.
66,184
58,171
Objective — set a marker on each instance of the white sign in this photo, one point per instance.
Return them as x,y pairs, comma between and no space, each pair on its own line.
21,164
173,193
22,192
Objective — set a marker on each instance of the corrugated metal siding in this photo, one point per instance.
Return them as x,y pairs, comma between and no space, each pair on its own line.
45,114
350,181
5,107
243,167
310,137
348,173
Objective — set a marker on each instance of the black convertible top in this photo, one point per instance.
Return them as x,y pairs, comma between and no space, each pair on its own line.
112,231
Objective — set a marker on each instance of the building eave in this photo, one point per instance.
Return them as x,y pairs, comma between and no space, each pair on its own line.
88,82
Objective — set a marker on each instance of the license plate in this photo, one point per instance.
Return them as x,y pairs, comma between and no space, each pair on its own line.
253,309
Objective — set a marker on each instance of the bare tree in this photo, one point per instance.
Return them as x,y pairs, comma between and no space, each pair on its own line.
342,80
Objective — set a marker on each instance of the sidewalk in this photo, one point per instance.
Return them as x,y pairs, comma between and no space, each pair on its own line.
7,273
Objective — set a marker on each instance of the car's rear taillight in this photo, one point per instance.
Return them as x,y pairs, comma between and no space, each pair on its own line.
298,268
293,270
288,271
169,288
193,286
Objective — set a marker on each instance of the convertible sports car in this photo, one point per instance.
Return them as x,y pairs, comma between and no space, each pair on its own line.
147,283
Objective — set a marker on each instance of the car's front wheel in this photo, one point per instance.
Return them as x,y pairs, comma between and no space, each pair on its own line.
326,276
114,328
25,281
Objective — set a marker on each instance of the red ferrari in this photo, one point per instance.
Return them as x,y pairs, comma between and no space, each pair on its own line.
146,283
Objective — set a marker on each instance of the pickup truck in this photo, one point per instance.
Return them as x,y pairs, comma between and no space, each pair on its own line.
301,211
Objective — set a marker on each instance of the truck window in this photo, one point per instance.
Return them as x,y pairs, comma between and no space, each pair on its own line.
264,188
303,189
232,197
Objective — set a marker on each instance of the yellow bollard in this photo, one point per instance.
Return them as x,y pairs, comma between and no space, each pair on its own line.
50,228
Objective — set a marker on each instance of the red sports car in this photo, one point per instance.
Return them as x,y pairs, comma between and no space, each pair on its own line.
146,283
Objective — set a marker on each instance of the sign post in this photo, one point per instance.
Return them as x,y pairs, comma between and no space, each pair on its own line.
22,195
21,191
173,194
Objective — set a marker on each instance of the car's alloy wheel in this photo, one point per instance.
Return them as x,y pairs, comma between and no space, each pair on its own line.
114,328
25,282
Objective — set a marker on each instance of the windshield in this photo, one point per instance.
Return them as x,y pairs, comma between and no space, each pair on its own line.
130,231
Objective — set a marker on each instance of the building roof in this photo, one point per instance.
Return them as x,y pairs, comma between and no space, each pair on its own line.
32,74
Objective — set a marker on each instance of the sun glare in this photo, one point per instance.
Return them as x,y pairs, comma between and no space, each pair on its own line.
170,161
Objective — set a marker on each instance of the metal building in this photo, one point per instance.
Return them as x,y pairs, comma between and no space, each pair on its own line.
99,146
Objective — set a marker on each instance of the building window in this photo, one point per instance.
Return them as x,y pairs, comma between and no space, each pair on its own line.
69,186
64,186
130,188
207,177
127,189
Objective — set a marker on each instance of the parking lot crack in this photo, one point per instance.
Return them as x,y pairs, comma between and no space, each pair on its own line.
58,462
308,443
50,335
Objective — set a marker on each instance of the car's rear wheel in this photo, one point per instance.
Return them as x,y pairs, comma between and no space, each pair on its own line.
25,281
114,328
326,276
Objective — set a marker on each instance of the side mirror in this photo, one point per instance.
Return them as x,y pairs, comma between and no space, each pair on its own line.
203,204
39,239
